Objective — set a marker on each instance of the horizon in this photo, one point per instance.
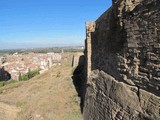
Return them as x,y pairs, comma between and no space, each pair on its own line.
41,48
39,23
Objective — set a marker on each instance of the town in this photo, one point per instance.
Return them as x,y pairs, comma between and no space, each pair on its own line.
19,64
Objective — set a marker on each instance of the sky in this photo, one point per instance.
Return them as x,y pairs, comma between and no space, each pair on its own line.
46,23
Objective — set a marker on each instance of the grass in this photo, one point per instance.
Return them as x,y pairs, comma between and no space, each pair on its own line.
50,95
58,74
3,83
20,103
74,113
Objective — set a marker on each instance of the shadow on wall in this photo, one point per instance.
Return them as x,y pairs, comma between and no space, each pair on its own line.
4,75
79,80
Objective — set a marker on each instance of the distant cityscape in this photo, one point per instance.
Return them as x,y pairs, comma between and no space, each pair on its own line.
16,63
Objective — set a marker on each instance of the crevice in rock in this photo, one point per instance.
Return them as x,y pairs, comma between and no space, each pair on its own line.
138,93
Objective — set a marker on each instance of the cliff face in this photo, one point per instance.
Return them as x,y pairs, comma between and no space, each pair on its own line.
123,62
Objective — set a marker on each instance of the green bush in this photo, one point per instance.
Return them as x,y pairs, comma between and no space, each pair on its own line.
28,75
2,83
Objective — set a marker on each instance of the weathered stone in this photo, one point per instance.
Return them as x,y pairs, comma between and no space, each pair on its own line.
123,62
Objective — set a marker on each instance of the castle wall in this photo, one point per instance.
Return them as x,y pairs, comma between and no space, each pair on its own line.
124,77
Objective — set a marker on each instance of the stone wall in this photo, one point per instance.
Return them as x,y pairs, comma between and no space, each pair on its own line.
123,62
90,28
77,60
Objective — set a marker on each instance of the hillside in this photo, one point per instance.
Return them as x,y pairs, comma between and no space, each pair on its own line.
49,96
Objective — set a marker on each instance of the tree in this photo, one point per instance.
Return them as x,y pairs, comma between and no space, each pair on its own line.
29,73
20,77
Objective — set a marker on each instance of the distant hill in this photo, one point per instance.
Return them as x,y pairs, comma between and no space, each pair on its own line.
43,50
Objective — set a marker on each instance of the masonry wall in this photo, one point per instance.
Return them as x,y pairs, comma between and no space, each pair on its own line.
124,83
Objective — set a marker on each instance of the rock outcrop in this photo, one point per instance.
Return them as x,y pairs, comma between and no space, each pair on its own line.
4,75
123,62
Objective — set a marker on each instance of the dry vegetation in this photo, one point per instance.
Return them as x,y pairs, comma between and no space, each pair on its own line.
49,96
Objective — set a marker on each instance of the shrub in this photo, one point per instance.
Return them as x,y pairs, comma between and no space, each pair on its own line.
29,75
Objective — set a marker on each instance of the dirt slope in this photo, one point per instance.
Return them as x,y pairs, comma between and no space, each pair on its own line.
8,111
49,96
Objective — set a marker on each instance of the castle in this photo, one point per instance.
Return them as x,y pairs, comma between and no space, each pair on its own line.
122,67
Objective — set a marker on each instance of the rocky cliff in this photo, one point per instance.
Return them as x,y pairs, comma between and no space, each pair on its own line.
123,62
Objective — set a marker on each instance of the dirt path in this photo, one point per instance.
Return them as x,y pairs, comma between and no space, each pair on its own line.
8,112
